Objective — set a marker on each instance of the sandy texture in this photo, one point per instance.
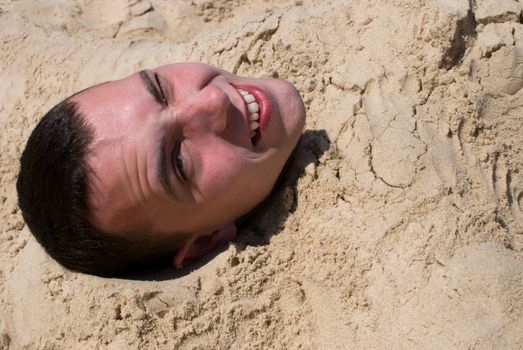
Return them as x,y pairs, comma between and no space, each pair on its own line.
404,230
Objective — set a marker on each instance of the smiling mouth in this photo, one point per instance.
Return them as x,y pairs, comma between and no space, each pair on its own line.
253,108
259,110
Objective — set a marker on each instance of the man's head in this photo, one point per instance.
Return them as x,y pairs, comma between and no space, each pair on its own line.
172,156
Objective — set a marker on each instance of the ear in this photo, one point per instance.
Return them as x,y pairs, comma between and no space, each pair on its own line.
203,244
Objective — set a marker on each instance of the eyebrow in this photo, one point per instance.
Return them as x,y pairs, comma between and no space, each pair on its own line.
161,170
151,87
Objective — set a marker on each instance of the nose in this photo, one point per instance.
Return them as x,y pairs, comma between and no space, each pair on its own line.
204,111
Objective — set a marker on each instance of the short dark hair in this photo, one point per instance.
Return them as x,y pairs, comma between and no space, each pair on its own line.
52,188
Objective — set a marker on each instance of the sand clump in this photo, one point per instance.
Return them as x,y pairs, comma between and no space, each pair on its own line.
404,228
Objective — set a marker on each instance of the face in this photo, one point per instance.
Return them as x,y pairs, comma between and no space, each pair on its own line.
186,147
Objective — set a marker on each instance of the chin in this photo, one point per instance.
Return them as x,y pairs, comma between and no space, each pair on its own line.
293,111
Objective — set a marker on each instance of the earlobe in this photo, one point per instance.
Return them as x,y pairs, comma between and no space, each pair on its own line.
180,255
203,244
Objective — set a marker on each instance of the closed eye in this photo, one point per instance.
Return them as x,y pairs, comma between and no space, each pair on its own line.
160,89
154,87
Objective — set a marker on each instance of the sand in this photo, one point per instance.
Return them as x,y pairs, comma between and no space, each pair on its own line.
403,230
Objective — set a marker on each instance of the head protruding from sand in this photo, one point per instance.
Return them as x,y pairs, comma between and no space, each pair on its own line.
170,158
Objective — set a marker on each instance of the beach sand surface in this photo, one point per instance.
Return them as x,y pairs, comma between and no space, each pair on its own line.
403,229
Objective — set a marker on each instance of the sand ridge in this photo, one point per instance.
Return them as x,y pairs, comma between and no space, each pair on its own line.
404,228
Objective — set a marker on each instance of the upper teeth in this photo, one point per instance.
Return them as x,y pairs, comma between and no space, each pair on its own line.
253,108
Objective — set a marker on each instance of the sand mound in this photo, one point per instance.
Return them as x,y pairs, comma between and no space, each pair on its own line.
404,229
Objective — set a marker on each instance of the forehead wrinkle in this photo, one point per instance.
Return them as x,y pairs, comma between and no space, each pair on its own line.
98,147
99,204
128,173
93,182
144,184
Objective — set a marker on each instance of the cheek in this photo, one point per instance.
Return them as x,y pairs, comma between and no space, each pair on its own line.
235,178
221,171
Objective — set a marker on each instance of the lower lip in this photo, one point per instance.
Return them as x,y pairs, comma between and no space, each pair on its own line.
265,108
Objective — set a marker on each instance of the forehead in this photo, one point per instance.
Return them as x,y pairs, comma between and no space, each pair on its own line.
122,108
112,109
109,97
